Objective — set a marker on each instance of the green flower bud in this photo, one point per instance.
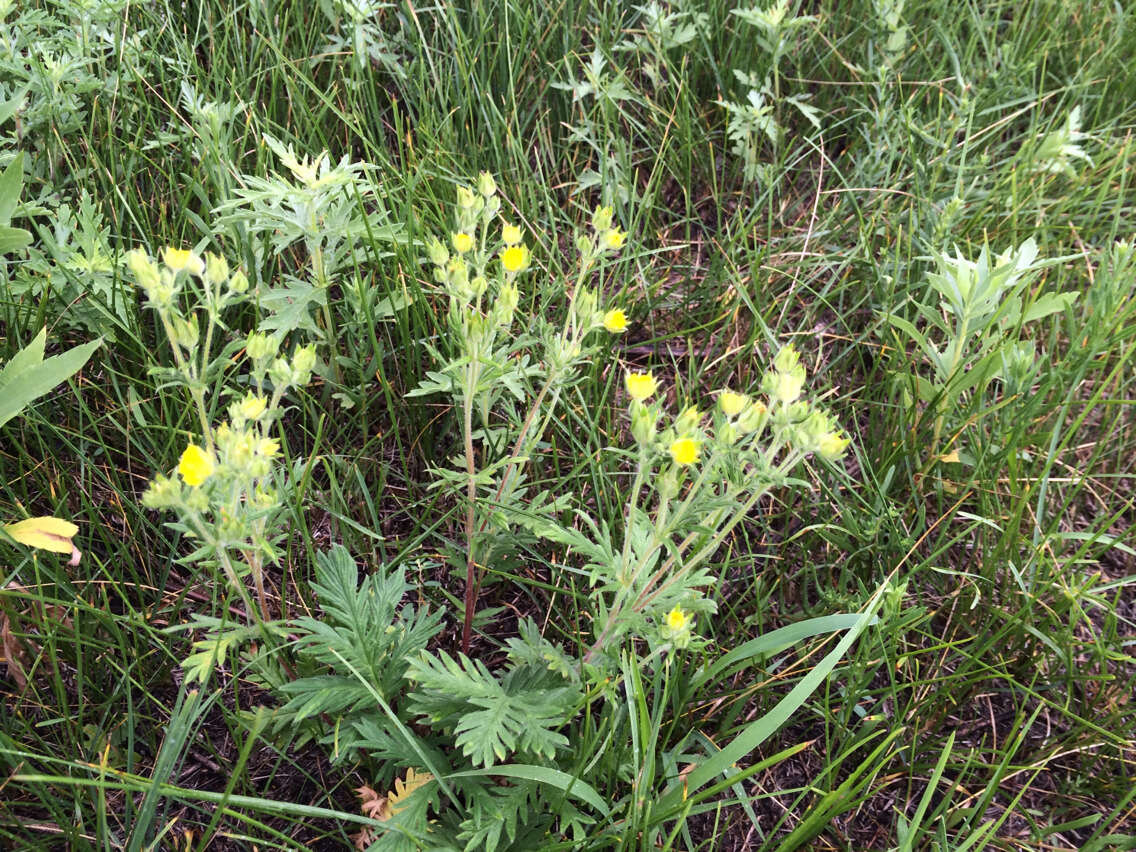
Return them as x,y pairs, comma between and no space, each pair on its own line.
145,270
439,256
280,373
304,361
602,219
688,421
261,346
185,331
486,185
239,283
466,198
644,423
216,268
787,360
163,493
752,418
784,387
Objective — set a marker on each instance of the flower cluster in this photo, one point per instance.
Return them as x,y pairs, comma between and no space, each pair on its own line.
480,267
223,490
705,464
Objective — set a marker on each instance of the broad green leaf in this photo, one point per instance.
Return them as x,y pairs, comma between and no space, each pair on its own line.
13,239
290,307
11,182
26,377
1049,303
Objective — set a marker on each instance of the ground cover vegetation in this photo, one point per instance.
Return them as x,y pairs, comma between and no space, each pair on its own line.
510,426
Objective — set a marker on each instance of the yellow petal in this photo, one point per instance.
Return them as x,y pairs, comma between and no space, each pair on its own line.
48,533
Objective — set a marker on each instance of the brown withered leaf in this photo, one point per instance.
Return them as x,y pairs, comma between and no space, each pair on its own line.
13,652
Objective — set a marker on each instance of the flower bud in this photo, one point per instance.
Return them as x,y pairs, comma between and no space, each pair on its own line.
304,361
216,268
239,283
644,423
466,199
784,387
833,445
164,493
753,418
439,256
261,346
252,407
732,404
280,373
787,359
185,331
601,219
145,270
486,185
688,420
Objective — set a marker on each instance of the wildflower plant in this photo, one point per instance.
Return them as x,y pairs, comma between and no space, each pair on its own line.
333,212
447,723
506,382
224,489
973,337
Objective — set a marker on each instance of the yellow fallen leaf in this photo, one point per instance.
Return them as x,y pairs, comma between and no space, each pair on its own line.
46,533
951,457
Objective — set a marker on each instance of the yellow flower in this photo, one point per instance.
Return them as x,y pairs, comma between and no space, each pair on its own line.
732,404
833,445
179,259
511,234
195,465
515,259
615,321
614,239
463,242
252,406
684,451
677,619
267,447
640,385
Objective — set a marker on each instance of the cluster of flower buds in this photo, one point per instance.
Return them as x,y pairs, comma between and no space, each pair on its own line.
801,424
163,283
606,238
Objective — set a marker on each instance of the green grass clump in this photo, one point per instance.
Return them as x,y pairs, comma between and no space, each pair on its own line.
440,572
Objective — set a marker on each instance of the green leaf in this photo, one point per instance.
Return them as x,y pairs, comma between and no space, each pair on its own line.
27,376
8,108
1049,303
757,732
569,784
290,307
773,643
11,183
13,239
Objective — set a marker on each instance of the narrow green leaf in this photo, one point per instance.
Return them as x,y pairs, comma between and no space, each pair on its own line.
11,183
757,732
569,784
